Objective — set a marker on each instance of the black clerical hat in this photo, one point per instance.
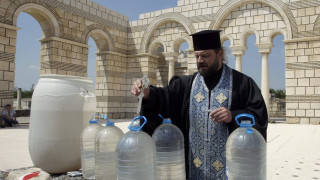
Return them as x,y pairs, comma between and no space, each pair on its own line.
207,39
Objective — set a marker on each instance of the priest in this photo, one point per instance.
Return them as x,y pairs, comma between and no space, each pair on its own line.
204,106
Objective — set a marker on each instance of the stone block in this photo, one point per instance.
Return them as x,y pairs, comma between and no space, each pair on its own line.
300,113
291,82
291,59
315,58
300,91
4,40
240,21
11,33
305,20
310,11
304,121
4,85
310,90
293,120
303,82
304,105
303,44
301,28
4,65
8,76
292,45
315,121
292,105
309,113
314,81
10,49
301,12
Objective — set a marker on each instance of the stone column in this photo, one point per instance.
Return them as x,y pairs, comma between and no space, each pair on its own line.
265,79
265,49
192,63
239,63
8,35
111,83
19,98
171,58
238,52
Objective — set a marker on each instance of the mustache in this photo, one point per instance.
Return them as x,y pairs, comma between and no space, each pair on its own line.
202,65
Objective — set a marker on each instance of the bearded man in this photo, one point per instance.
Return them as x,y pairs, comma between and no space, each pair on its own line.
204,106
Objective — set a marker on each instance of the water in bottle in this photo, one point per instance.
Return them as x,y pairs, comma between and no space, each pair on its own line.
136,154
105,157
169,142
246,152
88,138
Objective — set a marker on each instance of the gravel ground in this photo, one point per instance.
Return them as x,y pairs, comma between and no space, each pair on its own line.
4,175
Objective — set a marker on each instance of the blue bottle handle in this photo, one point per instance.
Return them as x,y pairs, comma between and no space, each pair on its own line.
94,121
248,116
138,128
108,122
165,121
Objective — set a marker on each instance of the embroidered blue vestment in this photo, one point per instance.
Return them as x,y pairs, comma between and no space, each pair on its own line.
207,157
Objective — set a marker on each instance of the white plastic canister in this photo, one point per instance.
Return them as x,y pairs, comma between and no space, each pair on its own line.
61,109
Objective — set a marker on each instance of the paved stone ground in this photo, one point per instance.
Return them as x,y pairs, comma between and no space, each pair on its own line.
293,150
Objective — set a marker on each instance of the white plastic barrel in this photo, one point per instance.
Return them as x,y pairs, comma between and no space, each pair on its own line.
61,108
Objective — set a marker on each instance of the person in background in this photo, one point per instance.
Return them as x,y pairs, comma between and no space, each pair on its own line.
204,106
9,116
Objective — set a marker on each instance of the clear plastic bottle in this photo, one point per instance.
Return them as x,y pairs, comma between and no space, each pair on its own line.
169,142
246,152
106,144
88,138
136,154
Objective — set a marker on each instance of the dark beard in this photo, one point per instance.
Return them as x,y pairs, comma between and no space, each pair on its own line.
207,71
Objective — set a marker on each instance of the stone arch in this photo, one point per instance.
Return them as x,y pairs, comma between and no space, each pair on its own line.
101,36
275,32
225,37
246,33
167,17
278,5
154,44
177,43
46,17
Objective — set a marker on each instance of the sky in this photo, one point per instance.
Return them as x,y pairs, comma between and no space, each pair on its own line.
28,46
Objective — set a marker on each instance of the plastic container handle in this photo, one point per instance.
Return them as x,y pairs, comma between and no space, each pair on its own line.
165,121
108,122
248,116
140,127
94,121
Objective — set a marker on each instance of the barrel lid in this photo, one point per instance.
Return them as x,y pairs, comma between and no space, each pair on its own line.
245,120
165,121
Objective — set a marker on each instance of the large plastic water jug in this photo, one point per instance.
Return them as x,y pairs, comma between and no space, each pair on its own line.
136,154
61,107
246,152
106,144
88,139
169,142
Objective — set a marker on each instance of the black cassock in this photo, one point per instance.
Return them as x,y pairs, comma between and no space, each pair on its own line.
172,101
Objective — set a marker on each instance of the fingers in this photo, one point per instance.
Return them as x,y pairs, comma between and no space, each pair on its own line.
221,114
136,87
